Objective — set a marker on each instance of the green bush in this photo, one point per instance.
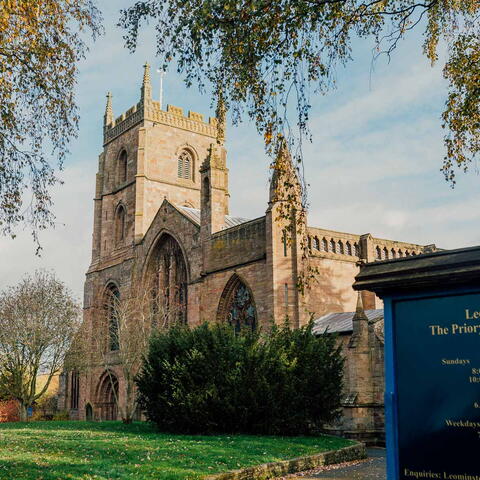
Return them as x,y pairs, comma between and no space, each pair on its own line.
209,379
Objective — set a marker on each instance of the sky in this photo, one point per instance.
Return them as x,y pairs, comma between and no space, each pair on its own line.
373,166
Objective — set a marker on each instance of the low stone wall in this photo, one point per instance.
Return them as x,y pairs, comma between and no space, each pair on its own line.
278,469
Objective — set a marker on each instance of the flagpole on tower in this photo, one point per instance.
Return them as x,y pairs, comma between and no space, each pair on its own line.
162,74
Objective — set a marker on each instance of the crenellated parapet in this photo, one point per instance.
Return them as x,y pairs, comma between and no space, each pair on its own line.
150,111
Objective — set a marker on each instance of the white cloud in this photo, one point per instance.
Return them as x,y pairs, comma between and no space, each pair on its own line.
66,249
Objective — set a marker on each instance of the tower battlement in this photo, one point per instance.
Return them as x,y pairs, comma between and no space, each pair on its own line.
151,111
148,109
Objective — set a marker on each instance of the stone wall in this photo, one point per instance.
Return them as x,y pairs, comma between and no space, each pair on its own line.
236,246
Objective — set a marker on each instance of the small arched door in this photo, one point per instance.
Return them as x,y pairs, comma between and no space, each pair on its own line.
88,412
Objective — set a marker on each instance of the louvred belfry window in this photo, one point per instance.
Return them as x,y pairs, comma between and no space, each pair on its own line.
185,165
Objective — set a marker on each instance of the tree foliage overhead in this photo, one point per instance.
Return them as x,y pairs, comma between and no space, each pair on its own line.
40,46
266,54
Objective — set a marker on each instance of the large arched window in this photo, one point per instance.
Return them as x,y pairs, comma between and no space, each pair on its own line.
120,215
112,304
237,305
107,396
167,274
185,165
122,166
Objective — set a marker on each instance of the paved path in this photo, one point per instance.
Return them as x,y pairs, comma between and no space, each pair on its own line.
372,469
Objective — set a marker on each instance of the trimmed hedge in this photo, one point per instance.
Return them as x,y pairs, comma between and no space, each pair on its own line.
209,379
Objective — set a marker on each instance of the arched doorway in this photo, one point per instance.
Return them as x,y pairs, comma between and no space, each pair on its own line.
107,397
88,412
237,305
167,277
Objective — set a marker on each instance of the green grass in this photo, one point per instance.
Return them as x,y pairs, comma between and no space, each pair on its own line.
111,450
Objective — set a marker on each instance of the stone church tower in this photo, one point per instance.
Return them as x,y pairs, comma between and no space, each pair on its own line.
161,211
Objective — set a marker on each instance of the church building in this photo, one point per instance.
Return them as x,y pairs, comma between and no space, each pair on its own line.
161,207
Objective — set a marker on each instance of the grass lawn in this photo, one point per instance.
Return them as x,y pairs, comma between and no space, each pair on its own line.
111,450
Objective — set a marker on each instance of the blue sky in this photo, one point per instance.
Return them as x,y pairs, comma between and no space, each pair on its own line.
373,166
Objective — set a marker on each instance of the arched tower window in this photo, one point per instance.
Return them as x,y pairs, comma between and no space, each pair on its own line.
356,249
112,303
324,245
120,215
122,167
316,243
185,165
348,248
237,305
378,253
167,272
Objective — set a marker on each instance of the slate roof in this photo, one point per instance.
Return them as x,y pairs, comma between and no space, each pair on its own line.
194,215
342,322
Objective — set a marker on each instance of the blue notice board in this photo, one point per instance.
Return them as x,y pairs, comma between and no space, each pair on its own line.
432,347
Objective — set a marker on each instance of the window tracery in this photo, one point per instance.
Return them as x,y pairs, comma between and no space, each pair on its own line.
237,305
111,306
168,274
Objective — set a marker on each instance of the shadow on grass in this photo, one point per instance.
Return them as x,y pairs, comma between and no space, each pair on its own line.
31,470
